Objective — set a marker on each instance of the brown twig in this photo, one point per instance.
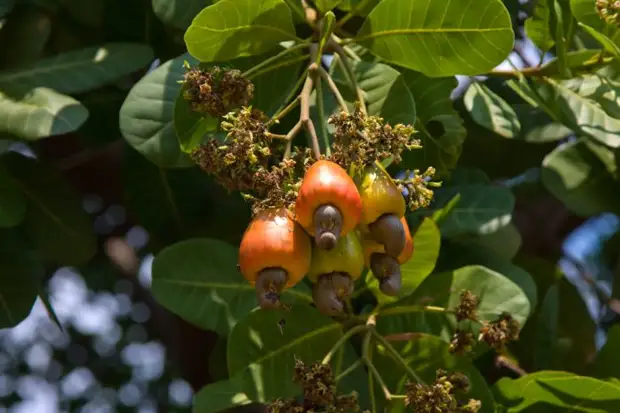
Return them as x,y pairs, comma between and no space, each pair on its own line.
501,361
333,88
359,93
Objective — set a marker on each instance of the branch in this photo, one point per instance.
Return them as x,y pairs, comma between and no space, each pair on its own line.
540,71
359,93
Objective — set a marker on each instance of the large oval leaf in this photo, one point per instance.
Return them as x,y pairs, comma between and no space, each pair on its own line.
56,223
439,38
440,128
82,70
427,241
146,115
496,292
264,353
12,201
21,271
35,113
548,390
481,209
577,177
236,28
178,13
198,280
491,111
425,354
386,93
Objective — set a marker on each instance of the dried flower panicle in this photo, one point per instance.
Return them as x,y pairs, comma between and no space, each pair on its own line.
609,11
246,161
216,91
468,306
415,188
439,396
500,332
319,392
361,140
462,342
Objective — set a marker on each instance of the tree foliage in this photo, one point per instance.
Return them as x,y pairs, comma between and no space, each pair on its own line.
244,97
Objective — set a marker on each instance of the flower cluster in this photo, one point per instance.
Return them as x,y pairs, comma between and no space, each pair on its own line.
319,392
360,140
439,396
248,161
609,11
216,91
468,305
501,331
415,188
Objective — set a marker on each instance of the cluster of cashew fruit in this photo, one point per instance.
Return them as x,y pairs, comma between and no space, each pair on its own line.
340,226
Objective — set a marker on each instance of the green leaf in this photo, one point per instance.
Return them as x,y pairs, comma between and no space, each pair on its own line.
221,395
147,114
440,128
172,204
237,28
426,354
537,26
460,254
607,362
38,113
12,201
576,329
264,354
439,38
178,13
496,292
270,90
386,92
547,321
20,274
491,111
466,176
82,70
604,91
585,12
605,41
481,209
546,390
577,177
565,105
426,241
538,127
505,242
218,370
326,5
6,6
56,223
198,280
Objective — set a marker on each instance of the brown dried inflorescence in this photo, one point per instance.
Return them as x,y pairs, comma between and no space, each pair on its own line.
462,342
319,392
609,11
360,140
247,162
500,332
439,396
468,306
216,91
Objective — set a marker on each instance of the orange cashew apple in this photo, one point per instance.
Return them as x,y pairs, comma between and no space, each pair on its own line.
334,272
383,206
383,266
274,254
328,204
